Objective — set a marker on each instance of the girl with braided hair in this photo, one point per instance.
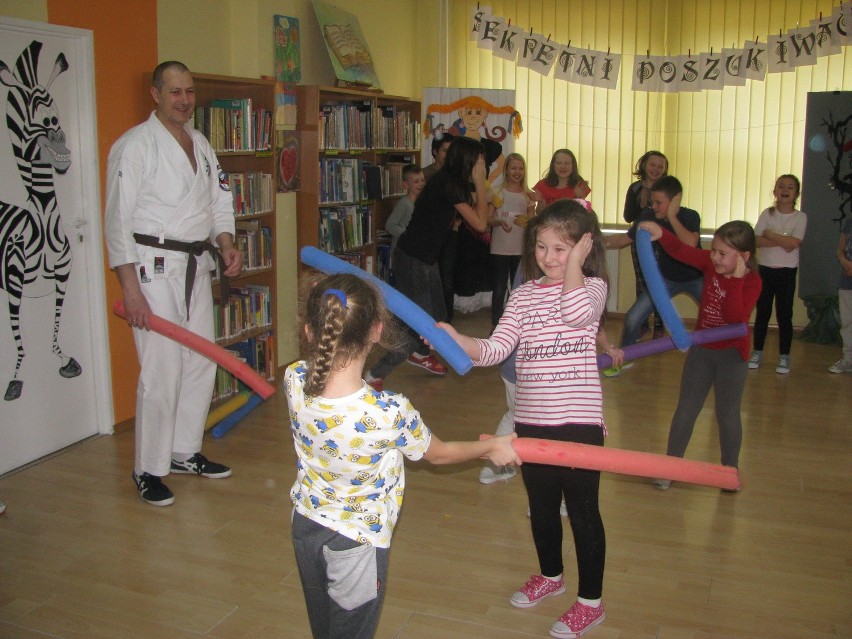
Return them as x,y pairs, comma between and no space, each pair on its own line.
350,442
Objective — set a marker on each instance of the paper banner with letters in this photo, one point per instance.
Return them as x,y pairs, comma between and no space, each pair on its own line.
798,47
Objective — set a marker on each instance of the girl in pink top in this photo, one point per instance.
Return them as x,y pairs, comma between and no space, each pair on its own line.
563,180
553,321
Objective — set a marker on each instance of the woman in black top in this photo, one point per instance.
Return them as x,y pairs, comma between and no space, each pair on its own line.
457,189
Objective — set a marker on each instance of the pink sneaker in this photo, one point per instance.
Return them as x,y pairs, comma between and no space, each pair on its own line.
429,363
577,620
536,589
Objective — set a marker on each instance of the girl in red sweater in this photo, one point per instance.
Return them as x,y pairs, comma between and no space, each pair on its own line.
731,289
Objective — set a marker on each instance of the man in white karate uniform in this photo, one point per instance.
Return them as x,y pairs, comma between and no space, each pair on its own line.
167,204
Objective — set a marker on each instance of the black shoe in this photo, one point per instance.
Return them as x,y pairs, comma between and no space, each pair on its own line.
198,464
152,489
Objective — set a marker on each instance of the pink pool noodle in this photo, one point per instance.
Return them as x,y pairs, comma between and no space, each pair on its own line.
625,462
211,351
663,344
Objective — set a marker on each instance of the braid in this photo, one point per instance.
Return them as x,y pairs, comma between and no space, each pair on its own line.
339,313
331,321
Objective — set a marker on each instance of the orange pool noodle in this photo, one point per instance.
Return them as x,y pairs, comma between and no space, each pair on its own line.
625,462
210,350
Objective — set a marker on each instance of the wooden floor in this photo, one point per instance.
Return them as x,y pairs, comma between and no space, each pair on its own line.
82,557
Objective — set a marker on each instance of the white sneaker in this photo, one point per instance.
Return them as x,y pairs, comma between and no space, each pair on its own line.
840,366
783,365
754,360
662,484
492,474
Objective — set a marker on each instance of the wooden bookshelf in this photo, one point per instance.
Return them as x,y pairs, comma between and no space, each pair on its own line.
246,322
349,135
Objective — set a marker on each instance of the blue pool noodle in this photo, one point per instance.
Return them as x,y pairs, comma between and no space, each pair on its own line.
231,420
658,291
398,304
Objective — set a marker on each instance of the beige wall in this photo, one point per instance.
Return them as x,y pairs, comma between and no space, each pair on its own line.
35,10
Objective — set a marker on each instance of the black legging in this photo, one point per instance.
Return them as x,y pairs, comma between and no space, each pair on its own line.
778,284
546,486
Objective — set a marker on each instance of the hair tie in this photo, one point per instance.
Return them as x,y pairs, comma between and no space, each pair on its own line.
337,293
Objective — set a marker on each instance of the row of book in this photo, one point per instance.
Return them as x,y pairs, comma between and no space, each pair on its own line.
357,125
344,180
258,352
234,125
247,307
363,261
255,242
394,129
253,192
343,228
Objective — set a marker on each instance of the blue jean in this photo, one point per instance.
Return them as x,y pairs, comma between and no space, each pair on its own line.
643,306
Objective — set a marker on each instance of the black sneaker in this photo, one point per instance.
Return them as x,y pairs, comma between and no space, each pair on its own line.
198,464
152,489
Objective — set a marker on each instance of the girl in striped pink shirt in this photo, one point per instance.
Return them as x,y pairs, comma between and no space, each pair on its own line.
553,320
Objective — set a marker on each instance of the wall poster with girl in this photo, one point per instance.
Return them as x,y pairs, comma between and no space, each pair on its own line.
488,116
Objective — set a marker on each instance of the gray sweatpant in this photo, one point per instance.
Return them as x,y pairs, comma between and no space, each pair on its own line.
725,371
343,581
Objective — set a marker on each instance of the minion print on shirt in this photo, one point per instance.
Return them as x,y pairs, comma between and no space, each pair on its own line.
350,475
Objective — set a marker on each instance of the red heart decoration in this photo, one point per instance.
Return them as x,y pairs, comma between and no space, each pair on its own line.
288,165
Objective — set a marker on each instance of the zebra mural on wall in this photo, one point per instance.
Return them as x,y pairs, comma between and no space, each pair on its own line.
35,255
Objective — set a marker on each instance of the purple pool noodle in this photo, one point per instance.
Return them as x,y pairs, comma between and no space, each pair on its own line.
663,344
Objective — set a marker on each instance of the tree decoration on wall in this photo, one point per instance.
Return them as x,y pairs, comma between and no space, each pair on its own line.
721,67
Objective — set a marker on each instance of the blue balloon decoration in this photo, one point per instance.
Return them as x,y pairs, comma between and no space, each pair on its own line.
398,304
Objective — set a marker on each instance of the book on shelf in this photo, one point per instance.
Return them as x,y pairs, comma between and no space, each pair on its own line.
351,126
255,243
341,180
342,228
258,352
252,192
234,125
247,308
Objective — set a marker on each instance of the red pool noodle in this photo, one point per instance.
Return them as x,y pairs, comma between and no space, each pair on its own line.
625,462
207,348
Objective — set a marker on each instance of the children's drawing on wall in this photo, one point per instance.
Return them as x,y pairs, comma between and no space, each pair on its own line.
288,67
288,145
490,117
487,115
347,47
35,255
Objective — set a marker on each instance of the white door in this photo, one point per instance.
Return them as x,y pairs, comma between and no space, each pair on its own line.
54,369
